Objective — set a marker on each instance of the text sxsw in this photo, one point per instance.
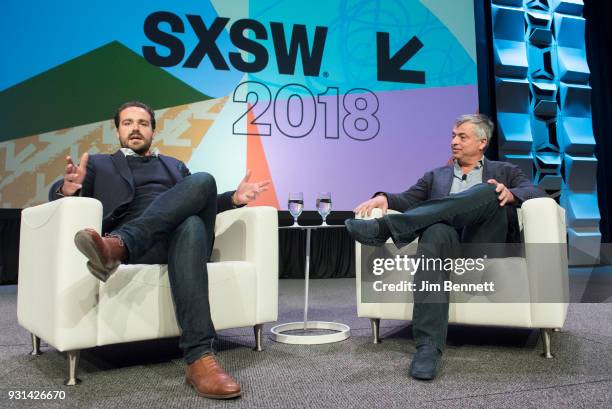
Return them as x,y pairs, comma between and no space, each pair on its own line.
389,67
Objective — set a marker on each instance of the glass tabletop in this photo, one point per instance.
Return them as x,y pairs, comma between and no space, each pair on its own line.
318,226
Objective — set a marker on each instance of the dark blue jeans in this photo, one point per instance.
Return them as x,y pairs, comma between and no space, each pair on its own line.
178,229
472,216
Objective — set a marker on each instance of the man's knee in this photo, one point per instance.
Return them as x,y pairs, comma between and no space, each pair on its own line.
191,228
486,189
205,182
439,233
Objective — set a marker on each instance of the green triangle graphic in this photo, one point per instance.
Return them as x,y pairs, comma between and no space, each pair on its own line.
88,89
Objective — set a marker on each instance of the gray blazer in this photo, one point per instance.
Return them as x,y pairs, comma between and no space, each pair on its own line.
437,183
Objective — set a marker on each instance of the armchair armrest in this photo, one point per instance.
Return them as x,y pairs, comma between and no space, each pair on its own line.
57,296
547,265
251,234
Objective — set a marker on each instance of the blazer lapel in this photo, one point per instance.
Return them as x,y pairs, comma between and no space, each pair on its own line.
487,170
121,164
445,182
174,172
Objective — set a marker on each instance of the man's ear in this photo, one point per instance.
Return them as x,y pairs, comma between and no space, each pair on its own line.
484,144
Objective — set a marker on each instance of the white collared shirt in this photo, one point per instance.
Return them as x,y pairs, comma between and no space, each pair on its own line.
129,152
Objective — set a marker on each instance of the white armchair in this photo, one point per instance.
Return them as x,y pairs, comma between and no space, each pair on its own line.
541,221
61,302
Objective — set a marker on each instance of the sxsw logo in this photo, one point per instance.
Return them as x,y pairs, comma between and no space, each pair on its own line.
285,49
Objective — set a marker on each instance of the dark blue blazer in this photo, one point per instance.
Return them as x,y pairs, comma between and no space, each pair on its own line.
437,183
109,179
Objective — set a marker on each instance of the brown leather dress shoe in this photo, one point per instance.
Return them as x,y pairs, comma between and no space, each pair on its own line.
210,380
104,253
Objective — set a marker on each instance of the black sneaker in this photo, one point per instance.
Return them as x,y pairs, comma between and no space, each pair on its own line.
426,363
365,232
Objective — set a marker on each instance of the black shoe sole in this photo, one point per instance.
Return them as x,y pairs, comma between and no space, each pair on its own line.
368,241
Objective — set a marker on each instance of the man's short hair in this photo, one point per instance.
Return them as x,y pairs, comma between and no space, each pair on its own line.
482,123
137,104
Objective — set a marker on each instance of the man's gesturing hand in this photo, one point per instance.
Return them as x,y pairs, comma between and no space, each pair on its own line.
249,191
365,208
74,175
505,195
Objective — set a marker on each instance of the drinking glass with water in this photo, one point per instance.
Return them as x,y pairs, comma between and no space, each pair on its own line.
296,205
324,205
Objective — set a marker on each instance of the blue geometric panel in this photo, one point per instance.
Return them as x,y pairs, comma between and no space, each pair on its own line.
544,134
541,61
510,58
569,31
525,162
576,135
573,66
568,6
539,19
544,99
540,5
551,184
575,100
547,163
582,209
547,130
584,243
508,23
514,132
515,3
580,173
512,95
540,36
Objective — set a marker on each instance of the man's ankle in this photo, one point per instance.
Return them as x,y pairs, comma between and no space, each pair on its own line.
383,230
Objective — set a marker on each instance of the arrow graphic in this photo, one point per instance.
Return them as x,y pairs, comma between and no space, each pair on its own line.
390,68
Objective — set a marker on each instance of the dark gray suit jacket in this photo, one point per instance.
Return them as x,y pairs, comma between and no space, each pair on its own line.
109,179
437,183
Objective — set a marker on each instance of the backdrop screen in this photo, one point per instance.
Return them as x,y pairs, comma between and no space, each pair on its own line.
349,97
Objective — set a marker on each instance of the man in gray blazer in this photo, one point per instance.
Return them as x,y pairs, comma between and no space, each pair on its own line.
463,202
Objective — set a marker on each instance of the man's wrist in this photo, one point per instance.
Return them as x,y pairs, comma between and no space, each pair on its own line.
60,191
380,194
234,201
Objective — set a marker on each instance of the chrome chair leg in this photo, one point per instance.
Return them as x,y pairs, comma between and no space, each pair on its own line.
258,330
375,323
545,333
73,365
35,345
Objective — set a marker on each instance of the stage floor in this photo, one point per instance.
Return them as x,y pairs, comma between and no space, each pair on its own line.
483,366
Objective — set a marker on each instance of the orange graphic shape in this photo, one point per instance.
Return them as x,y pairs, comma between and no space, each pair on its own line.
258,165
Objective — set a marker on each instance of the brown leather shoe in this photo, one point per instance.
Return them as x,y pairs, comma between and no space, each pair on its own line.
210,380
104,253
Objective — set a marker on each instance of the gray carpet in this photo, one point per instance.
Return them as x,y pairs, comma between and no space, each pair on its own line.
483,367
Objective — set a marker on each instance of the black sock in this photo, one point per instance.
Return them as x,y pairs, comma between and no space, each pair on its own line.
383,229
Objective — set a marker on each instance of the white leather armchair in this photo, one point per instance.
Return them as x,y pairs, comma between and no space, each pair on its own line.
61,302
541,221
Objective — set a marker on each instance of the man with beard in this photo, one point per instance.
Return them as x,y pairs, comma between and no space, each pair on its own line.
157,212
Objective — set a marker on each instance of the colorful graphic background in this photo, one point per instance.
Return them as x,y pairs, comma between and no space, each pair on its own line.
67,66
